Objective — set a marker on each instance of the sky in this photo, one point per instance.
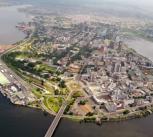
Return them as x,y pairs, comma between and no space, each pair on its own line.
139,3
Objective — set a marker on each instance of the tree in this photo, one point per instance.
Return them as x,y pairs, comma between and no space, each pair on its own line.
62,84
90,114
126,112
31,65
42,82
58,79
82,102
57,92
38,89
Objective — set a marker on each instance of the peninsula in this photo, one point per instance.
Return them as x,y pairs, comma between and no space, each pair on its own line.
84,64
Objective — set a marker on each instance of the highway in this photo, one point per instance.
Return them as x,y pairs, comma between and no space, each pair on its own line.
9,73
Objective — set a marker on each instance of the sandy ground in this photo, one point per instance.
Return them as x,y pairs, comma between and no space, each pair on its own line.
5,47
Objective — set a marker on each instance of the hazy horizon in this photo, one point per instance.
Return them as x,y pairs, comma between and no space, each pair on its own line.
131,8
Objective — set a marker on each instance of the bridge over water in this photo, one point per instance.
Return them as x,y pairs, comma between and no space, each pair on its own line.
58,117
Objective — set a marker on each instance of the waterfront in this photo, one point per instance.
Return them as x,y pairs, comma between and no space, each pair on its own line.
25,122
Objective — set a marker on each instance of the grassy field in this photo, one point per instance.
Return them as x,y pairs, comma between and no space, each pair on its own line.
3,79
37,93
43,67
53,103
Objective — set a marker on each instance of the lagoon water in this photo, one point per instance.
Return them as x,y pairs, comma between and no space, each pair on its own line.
9,18
25,122
18,121
142,46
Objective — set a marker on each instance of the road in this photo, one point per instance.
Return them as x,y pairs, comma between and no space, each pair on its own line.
13,78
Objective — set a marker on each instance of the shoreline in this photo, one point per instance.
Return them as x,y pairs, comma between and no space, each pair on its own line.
86,119
135,115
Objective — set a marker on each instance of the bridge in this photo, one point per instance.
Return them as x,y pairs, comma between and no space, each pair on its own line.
58,117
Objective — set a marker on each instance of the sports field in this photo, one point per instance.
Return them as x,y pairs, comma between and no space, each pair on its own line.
3,79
